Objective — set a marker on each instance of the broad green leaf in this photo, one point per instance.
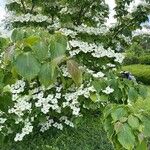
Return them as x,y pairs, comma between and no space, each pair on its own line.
133,122
132,94
27,66
75,72
108,127
126,137
142,146
40,51
146,123
99,85
9,53
17,35
47,75
142,91
31,40
94,97
58,45
118,114
3,43
118,126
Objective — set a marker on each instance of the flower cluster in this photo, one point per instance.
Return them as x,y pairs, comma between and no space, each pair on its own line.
27,129
43,101
30,18
91,30
108,90
96,51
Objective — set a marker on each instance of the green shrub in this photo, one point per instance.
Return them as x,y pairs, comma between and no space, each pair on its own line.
131,59
145,59
141,72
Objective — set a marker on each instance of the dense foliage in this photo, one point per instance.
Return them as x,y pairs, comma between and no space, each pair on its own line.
61,64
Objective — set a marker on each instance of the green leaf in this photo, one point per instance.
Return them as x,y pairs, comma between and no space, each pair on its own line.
17,35
108,127
118,126
146,123
31,40
40,50
126,137
143,91
58,45
142,146
99,85
75,72
94,97
118,114
47,75
133,122
133,95
27,66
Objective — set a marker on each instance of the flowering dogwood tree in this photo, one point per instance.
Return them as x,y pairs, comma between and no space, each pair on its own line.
61,63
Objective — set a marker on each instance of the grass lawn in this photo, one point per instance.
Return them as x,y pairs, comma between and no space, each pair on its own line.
141,72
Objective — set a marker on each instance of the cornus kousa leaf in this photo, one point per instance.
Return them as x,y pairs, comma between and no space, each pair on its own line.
126,137
133,94
75,72
58,45
133,122
40,50
146,122
118,114
27,66
17,35
47,74
31,40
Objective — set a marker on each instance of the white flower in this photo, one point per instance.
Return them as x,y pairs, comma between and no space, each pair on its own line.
18,137
58,126
108,90
99,75
76,111
58,95
2,120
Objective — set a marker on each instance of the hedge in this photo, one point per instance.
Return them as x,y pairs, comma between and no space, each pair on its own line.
141,72
131,59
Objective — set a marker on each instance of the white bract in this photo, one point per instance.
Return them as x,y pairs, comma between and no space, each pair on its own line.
108,90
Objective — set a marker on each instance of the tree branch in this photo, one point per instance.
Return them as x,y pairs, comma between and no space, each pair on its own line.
24,8
33,5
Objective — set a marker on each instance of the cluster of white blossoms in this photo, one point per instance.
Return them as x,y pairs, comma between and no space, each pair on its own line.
68,32
72,98
47,103
27,129
12,1
95,74
143,31
91,30
51,123
30,18
37,98
18,87
97,51
108,90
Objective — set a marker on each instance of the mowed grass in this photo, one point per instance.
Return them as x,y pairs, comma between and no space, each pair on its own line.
141,72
